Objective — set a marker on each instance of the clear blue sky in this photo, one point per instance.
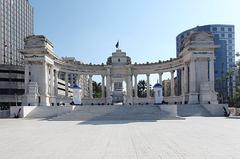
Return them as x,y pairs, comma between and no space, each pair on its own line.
89,29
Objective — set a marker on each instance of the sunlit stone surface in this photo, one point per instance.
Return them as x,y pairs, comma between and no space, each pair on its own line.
188,138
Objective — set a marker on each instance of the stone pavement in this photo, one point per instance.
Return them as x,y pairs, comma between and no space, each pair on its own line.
192,138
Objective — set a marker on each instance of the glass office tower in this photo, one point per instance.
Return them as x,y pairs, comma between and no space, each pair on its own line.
16,23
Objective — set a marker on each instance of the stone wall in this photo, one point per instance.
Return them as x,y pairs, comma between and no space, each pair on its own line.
40,111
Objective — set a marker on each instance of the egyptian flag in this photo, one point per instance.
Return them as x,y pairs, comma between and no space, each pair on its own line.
117,45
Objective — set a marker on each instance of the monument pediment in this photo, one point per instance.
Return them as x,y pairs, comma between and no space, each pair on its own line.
200,36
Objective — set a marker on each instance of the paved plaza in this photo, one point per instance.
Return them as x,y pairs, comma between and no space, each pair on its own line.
189,138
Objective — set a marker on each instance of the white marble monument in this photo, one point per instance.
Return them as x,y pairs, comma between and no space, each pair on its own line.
196,63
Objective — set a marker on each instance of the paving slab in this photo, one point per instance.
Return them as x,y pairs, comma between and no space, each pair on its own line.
192,138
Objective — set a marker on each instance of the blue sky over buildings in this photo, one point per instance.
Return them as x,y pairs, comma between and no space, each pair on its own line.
146,29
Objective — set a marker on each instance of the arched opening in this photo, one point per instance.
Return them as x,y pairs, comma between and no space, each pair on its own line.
97,86
166,84
142,86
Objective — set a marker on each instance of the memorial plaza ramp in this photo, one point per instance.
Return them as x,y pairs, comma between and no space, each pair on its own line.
139,112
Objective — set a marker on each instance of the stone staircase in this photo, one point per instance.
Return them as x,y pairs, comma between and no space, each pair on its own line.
192,110
112,113
143,112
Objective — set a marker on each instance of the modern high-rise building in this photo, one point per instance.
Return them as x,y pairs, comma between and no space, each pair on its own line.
224,37
16,23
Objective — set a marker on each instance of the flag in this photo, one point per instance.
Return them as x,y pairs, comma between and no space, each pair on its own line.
117,45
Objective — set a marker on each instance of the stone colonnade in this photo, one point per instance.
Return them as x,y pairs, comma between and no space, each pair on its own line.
195,62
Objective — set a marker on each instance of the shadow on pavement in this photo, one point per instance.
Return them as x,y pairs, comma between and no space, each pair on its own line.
110,122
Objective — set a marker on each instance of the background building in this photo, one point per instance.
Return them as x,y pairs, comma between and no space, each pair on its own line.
73,79
16,23
224,36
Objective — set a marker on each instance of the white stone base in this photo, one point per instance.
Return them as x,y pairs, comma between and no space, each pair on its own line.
193,98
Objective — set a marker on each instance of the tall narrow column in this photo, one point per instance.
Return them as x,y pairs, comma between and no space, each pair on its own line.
172,84
83,83
103,84
130,86
211,70
26,79
56,82
45,79
160,78
186,81
66,84
192,76
182,81
108,87
90,87
51,81
135,86
148,86
77,82
71,79
44,85
183,85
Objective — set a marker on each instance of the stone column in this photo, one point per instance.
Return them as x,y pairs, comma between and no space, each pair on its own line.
130,86
183,85
108,87
77,81
182,81
186,81
108,84
192,76
45,79
172,83
66,84
211,70
56,82
44,86
103,84
90,87
51,81
71,79
82,83
135,86
160,78
26,78
193,95
148,86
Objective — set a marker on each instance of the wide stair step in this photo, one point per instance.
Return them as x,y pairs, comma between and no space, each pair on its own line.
192,110
145,112
112,113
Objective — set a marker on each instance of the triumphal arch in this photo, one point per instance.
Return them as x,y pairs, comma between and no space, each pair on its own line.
195,64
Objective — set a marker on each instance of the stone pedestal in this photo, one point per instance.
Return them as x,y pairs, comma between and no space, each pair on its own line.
32,95
45,100
53,101
193,98
207,94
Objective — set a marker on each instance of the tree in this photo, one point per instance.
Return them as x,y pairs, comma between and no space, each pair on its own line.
142,88
97,90
229,77
235,99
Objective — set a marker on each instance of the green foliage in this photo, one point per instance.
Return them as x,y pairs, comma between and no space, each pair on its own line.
97,90
235,100
142,89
